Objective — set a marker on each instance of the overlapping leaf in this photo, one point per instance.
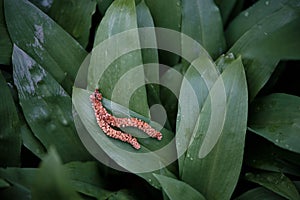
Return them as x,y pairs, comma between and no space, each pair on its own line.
45,41
204,25
75,18
275,182
167,14
276,118
115,74
265,35
47,107
177,190
216,158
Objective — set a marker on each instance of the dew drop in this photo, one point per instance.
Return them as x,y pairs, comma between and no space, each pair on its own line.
267,3
64,122
276,140
188,155
246,14
191,158
149,180
265,33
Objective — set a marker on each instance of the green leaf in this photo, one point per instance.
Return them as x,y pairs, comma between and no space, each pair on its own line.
276,118
167,14
266,156
46,42
51,181
137,161
118,76
197,81
216,149
259,193
267,40
176,189
5,43
86,179
171,81
251,16
31,142
150,56
74,17
202,21
47,107
10,138
21,176
276,182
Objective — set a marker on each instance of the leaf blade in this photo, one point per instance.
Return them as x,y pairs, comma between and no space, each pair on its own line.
46,104
45,41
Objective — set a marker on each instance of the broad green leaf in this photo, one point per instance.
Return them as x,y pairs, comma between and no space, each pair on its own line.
144,19
75,17
259,193
86,179
10,136
202,21
42,39
267,41
176,189
31,142
251,16
216,149
226,7
266,156
5,43
276,182
196,83
171,82
47,107
116,75
51,181
167,14
137,161
276,118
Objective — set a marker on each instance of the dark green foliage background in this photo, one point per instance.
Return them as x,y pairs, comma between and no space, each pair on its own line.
254,47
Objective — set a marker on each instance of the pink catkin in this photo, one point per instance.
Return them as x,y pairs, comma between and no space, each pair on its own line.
106,120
